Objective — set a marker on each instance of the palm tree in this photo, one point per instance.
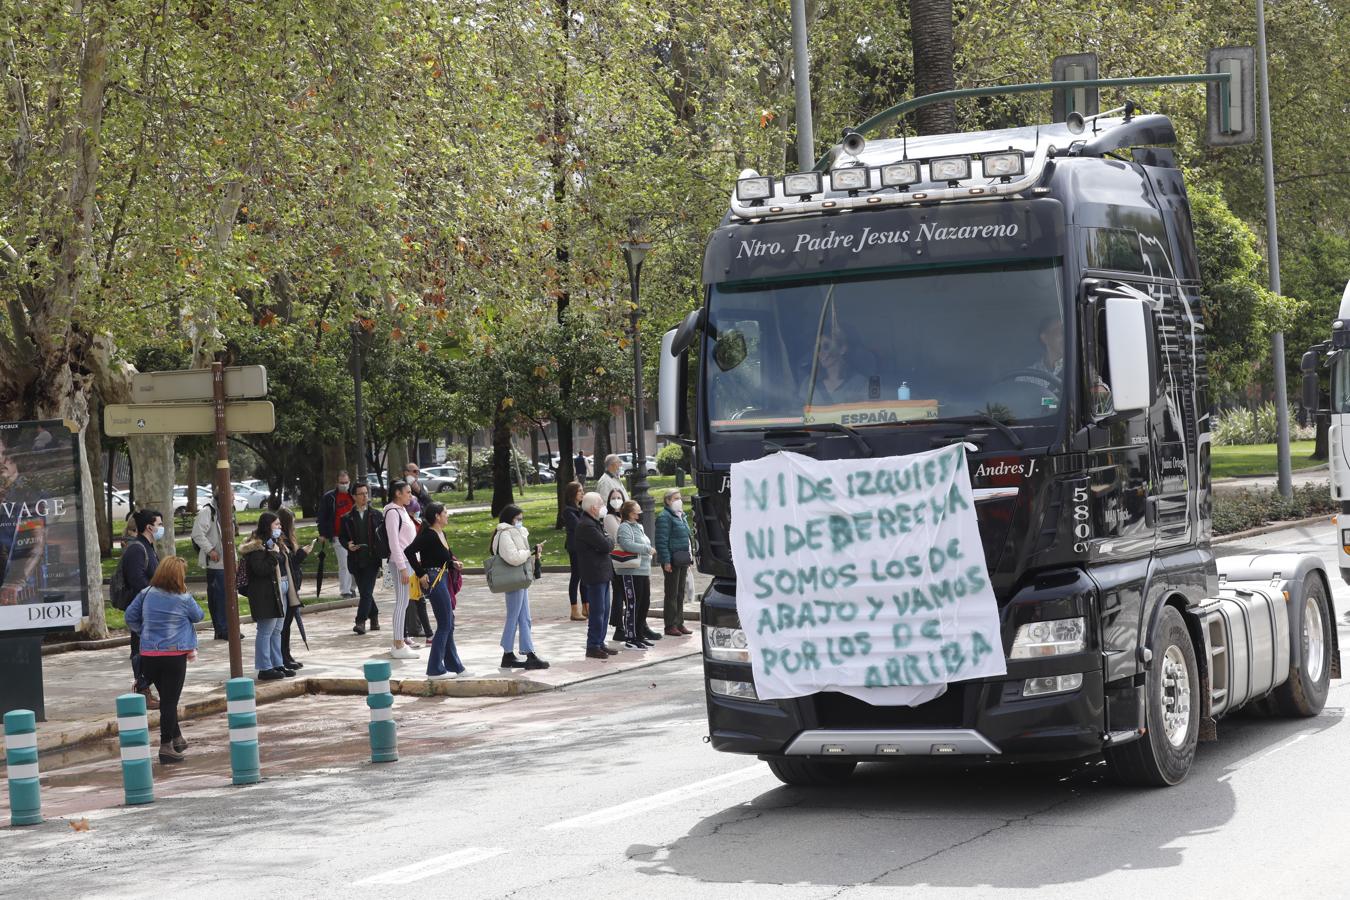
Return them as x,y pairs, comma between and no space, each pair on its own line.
930,23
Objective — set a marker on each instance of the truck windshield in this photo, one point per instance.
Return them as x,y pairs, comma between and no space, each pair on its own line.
884,349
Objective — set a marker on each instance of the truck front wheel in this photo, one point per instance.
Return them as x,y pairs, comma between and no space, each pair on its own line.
1163,755
811,772
1305,693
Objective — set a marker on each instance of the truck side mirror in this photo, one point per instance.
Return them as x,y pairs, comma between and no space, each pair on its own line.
1128,353
670,389
1311,389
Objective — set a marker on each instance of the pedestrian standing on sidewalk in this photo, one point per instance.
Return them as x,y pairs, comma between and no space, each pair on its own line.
673,551
511,542
610,481
614,502
593,547
412,474
292,569
140,562
438,572
333,508
571,515
211,557
162,616
263,560
361,530
635,575
579,467
400,532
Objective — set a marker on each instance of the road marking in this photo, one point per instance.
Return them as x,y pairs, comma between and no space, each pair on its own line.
1252,760
435,866
665,798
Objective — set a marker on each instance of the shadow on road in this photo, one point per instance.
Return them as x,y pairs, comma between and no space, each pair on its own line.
918,822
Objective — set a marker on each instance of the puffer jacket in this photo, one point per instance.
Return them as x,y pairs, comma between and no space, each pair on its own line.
672,534
633,539
512,544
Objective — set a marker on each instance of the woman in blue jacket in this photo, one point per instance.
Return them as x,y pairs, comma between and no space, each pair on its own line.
163,615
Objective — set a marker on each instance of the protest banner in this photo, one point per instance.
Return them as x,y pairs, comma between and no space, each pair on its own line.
863,576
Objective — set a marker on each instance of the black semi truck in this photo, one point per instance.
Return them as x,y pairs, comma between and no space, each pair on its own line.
1034,293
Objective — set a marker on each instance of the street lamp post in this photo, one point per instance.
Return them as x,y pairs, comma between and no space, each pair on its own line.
634,251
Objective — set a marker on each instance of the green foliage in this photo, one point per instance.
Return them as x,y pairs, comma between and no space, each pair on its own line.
1241,426
1240,510
670,457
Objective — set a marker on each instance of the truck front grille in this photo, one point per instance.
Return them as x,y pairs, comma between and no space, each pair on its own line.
842,711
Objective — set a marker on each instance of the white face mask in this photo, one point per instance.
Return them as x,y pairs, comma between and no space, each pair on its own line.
677,505
615,504
518,523
276,533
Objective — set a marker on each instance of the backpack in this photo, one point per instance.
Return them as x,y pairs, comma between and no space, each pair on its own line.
381,539
119,591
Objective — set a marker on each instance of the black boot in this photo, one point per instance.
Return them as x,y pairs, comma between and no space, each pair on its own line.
511,661
534,662
374,622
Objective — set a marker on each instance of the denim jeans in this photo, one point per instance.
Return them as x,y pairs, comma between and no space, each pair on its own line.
597,595
517,619
443,657
267,644
215,601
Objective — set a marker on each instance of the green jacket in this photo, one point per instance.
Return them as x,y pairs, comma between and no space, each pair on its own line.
672,533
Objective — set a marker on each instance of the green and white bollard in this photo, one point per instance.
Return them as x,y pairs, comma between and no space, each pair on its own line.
21,765
241,710
133,733
383,730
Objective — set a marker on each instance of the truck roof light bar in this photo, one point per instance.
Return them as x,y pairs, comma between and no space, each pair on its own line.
1028,180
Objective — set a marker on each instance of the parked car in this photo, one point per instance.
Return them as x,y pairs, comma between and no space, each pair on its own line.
376,485
204,493
546,475
440,478
251,497
626,463
121,507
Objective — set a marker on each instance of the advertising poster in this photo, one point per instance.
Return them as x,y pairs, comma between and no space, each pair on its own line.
41,528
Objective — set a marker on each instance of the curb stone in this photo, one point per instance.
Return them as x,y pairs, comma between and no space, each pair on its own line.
1271,528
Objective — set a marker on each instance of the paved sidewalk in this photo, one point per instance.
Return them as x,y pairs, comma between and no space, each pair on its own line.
81,686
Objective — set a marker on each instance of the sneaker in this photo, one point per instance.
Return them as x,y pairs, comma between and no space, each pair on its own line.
648,635
270,675
359,628
404,652
441,676
596,653
533,662
646,644
633,645
511,661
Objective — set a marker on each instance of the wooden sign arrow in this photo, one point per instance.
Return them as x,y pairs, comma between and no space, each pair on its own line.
241,383
250,417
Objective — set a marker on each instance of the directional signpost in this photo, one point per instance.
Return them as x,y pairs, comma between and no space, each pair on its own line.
201,401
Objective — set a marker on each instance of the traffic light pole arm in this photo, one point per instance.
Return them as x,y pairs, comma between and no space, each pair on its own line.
888,116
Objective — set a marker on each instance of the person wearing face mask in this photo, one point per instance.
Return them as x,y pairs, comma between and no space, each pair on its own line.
597,570
333,508
571,515
420,499
293,573
264,559
635,577
610,481
614,501
674,554
511,542
139,562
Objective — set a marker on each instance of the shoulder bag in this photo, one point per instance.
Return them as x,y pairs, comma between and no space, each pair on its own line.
502,578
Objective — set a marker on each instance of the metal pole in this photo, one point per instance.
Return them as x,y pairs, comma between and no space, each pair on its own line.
360,406
639,445
1286,480
801,77
225,518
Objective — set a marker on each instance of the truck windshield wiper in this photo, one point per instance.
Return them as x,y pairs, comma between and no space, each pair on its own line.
982,419
831,427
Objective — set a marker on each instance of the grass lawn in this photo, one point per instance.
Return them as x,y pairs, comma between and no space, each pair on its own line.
117,619
1257,459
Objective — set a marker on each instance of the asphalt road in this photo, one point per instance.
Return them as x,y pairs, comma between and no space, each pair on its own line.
606,790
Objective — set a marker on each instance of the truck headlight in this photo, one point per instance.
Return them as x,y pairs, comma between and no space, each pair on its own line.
1054,684
741,690
1052,638
727,644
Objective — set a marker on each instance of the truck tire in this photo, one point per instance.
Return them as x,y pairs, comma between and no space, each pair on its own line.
1163,755
1305,693
811,772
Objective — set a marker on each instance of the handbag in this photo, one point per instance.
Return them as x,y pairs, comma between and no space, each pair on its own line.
414,587
502,578
681,558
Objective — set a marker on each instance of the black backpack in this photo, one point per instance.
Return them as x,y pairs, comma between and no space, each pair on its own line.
119,591
381,539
